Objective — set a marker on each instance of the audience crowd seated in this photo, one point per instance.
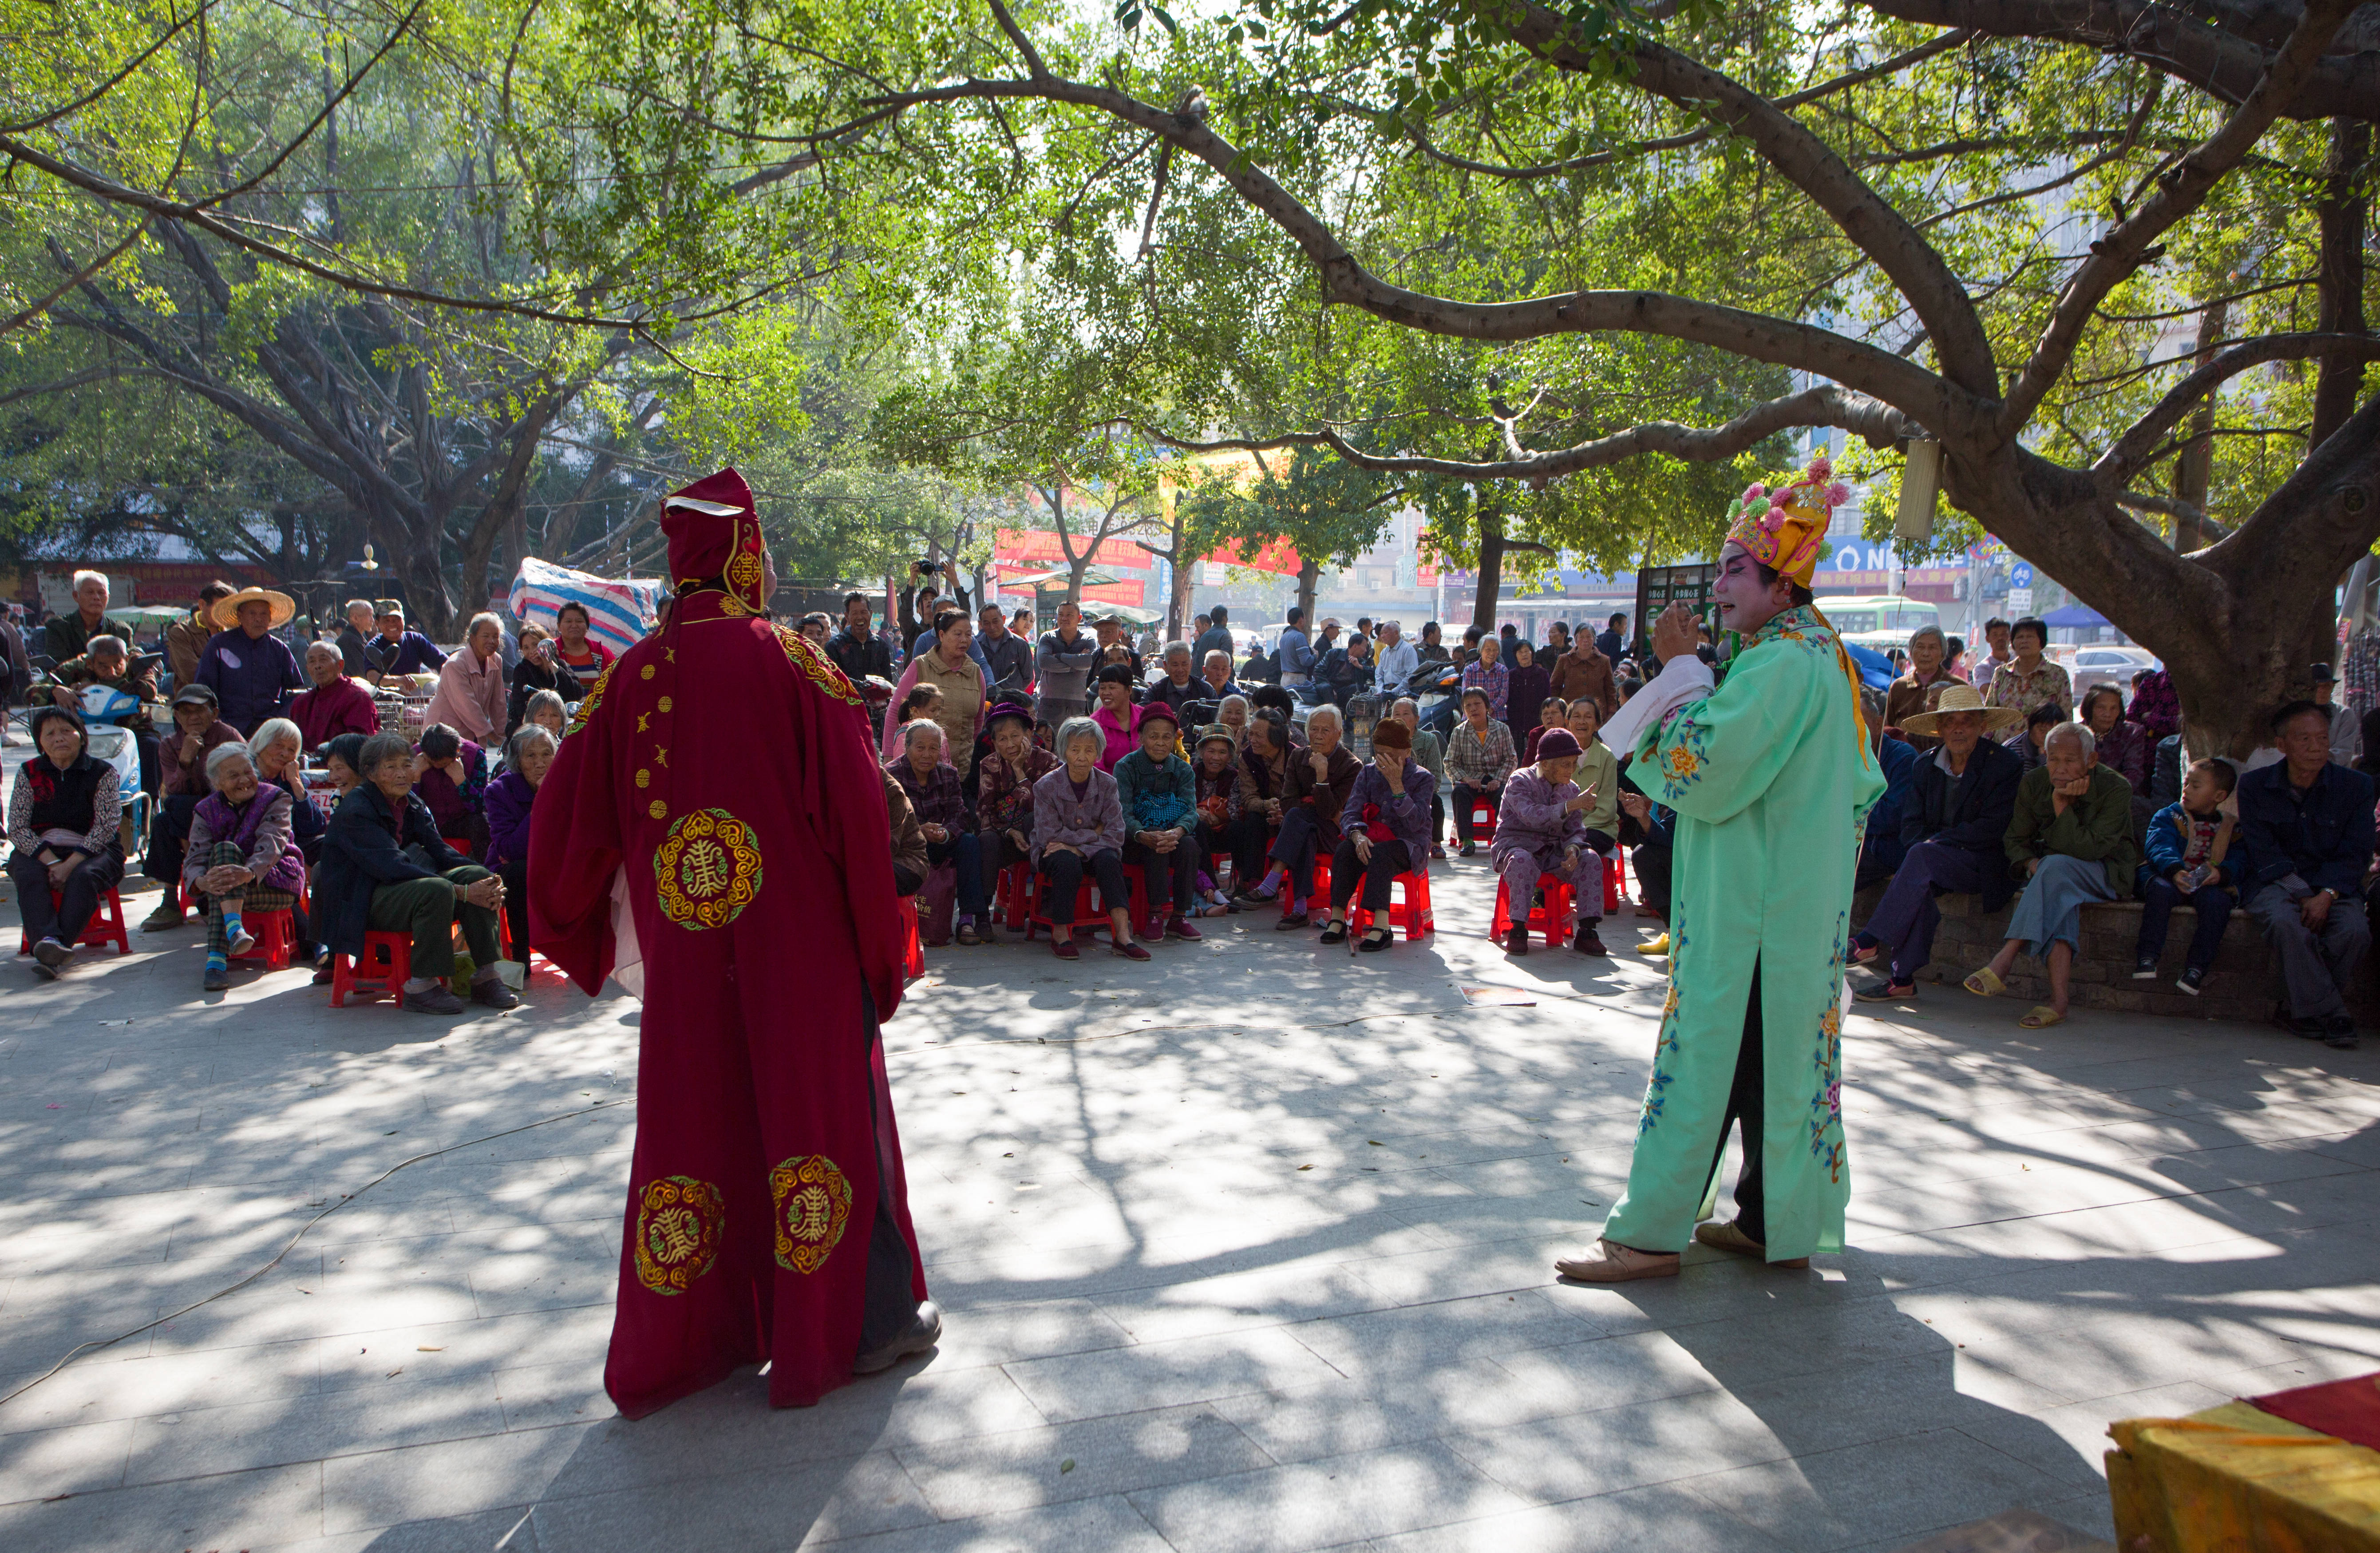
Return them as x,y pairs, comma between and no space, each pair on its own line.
2014,785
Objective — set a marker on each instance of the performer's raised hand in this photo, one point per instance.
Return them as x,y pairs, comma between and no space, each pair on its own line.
1675,634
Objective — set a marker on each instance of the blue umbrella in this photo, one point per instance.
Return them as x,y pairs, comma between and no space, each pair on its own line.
1875,669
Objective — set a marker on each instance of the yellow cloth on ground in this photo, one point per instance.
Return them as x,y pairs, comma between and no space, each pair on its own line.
2235,1479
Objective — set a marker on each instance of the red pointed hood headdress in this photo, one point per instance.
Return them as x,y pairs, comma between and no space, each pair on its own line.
714,541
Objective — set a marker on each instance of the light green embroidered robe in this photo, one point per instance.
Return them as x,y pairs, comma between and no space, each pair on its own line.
1771,786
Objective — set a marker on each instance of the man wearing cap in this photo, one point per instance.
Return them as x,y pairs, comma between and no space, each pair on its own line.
397,650
1954,822
1771,778
182,782
253,673
714,833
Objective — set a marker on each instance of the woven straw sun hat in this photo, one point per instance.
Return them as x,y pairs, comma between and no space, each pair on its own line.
226,611
1963,698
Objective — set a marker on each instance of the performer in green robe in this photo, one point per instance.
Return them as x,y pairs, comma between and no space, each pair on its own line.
1771,779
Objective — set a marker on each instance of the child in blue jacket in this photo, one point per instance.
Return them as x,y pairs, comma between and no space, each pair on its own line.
2186,846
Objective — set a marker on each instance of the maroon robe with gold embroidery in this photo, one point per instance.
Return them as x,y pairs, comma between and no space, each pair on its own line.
719,766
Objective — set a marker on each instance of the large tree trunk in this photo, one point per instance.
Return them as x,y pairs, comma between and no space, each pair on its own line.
2339,281
1309,582
2193,469
1491,569
2238,624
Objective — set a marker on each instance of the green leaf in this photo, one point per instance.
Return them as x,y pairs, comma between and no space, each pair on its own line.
1160,14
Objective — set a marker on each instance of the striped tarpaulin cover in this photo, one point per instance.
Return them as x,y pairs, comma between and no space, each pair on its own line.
619,612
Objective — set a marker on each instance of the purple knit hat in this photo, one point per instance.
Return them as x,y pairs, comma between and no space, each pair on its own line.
1558,744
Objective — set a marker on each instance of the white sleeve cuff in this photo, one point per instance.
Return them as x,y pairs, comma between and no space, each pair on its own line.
1680,680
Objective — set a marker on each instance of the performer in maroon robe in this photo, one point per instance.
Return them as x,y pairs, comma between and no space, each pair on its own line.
717,772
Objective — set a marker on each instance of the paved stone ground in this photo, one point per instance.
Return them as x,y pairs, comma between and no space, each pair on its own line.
1246,1249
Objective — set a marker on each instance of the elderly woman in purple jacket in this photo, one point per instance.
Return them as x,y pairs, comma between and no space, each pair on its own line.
242,857
527,756
1078,829
1539,830
1383,831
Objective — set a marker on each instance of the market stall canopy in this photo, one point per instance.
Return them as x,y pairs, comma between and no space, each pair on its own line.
2077,616
619,609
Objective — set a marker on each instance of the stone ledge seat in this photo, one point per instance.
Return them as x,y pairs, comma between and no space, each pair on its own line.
2243,983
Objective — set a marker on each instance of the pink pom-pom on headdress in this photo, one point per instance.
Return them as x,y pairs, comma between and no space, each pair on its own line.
1753,493
1820,467
1838,493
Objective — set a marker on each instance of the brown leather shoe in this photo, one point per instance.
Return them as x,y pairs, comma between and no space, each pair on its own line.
1723,1235
1606,1263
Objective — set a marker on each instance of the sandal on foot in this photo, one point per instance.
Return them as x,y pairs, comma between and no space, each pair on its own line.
1984,984
2041,1016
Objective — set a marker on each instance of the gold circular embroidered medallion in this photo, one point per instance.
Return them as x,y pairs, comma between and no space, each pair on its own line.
647,671
813,1204
744,573
707,869
680,1222
658,810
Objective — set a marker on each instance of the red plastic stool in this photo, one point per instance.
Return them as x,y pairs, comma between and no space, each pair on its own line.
1091,912
914,955
1615,879
386,965
1483,812
1013,891
1411,914
276,938
105,927
1547,918
1321,879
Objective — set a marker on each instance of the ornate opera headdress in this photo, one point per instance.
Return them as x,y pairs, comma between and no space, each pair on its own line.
715,542
1782,529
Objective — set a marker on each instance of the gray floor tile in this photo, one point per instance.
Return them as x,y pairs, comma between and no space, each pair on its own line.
994,1473
1322,1503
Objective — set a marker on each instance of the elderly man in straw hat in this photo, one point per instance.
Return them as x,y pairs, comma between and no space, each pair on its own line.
1958,809
1771,778
253,673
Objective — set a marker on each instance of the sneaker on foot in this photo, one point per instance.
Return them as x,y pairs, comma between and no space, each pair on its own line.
2144,968
241,942
2193,980
168,915
1589,942
2338,1032
51,954
218,978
